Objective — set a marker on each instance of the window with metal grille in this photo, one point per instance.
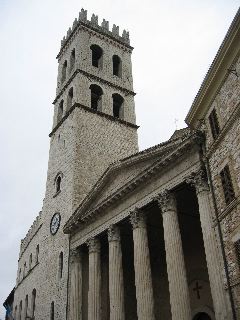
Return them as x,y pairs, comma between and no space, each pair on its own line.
227,185
213,120
237,249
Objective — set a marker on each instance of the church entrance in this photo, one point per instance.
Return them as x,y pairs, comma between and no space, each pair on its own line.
202,316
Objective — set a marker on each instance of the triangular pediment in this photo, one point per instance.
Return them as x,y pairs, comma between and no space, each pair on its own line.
126,170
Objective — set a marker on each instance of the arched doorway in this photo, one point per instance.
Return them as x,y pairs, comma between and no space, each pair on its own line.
202,316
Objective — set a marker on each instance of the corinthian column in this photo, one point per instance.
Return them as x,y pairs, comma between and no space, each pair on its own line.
178,287
143,277
116,288
94,293
199,180
75,285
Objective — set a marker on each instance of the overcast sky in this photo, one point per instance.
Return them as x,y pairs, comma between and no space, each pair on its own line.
174,41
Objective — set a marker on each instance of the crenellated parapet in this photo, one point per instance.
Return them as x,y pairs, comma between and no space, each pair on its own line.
37,223
93,24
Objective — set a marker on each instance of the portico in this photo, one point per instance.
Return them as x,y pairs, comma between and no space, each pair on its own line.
151,254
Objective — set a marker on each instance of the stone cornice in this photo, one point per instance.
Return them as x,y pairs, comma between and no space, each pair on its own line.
81,217
216,74
94,77
105,115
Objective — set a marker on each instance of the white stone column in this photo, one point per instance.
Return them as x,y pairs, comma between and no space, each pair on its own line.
143,277
199,180
178,286
116,287
75,285
94,290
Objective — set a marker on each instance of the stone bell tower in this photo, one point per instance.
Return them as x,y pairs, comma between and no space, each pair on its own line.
94,116
93,125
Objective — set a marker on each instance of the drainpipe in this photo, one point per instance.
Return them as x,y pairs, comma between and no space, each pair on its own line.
220,233
69,237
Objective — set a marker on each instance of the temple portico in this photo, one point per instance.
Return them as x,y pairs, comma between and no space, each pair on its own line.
157,263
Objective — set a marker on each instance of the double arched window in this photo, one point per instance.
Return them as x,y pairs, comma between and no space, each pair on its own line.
60,111
72,59
117,101
97,54
117,66
70,98
58,182
33,302
96,97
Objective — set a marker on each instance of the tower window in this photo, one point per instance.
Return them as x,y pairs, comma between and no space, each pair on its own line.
26,308
70,98
25,269
96,55
117,105
58,184
37,253
117,66
52,311
213,120
60,265
60,111
33,302
96,97
20,275
227,185
64,71
20,310
30,261
72,59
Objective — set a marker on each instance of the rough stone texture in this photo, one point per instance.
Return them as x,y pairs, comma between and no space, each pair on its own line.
225,150
81,149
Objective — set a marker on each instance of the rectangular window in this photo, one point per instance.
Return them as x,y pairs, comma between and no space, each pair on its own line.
237,249
213,120
227,185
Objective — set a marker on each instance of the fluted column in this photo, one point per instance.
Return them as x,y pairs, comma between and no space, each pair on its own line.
116,288
199,180
75,285
178,287
143,277
94,291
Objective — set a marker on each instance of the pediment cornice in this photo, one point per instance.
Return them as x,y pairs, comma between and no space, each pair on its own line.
84,214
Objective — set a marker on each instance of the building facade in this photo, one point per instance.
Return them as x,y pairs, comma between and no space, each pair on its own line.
132,235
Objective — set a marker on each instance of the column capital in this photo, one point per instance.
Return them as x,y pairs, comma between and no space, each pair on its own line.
199,181
75,255
113,233
93,245
137,219
166,201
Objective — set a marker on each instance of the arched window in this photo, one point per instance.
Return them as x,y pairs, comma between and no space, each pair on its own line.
33,302
37,253
70,98
52,311
117,66
25,269
58,184
30,261
60,111
25,315
96,97
15,313
20,311
64,71
117,105
97,54
20,275
60,265
72,59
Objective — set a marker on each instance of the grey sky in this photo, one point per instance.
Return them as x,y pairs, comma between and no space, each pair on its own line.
175,42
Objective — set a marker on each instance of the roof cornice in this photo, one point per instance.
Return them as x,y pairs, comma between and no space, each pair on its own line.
216,74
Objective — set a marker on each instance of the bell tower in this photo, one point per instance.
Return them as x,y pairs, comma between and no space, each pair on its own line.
94,114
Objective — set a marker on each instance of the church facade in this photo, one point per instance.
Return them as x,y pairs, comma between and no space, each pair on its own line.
126,234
